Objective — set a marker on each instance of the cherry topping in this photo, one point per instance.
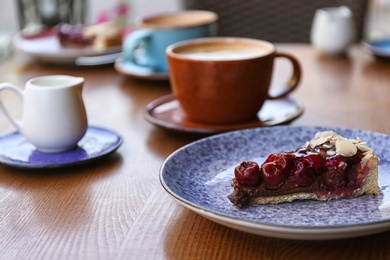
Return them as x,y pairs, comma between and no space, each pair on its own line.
336,162
302,175
284,159
316,161
276,169
307,168
335,179
335,175
248,173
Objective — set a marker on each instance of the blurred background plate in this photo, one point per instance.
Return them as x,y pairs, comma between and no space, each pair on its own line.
378,48
47,48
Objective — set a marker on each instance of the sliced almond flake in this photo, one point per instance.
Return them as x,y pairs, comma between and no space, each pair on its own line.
354,141
318,141
360,141
328,146
320,134
365,159
363,147
342,164
325,134
334,140
346,148
368,152
330,152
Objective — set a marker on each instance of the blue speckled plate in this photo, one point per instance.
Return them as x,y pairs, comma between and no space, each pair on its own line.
97,142
199,175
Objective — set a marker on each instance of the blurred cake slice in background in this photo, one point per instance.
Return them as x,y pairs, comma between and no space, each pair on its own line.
98,36
104,35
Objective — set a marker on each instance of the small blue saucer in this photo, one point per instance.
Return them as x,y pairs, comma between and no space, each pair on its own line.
379,48
97,142
131,69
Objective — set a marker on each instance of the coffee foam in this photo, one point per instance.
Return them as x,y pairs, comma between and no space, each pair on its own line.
179,19
223,51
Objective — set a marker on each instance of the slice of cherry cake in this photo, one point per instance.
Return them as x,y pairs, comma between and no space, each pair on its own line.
327,167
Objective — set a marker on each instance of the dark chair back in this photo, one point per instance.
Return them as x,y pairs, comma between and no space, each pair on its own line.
274,20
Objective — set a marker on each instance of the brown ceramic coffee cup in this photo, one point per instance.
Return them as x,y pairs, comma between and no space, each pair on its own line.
225,80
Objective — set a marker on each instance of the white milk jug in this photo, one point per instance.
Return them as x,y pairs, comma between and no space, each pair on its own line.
332,30
53,114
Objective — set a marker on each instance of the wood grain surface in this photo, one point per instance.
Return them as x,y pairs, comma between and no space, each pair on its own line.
116,208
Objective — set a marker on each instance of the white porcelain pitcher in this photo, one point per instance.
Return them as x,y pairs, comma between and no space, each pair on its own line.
332,30
53,114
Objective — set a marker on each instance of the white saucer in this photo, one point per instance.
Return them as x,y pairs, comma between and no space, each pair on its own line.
47,48
131,69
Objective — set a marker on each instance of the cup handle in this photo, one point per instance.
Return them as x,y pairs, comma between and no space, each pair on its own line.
3,86
293,81
132,44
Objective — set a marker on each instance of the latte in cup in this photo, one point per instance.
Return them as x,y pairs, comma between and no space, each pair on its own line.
225,80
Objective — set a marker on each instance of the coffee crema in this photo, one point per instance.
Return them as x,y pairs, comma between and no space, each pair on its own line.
223,51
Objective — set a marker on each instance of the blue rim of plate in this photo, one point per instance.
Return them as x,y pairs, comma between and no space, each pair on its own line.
97,143
199,174
379,48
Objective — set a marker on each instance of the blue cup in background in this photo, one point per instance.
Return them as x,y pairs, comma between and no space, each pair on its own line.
146,46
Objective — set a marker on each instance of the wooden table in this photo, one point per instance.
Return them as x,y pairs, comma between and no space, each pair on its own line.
116,208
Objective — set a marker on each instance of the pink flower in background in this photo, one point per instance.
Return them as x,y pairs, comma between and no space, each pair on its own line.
118,13
103,17
122,9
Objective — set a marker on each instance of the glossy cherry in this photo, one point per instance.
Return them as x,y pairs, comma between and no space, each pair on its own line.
283,159
248,173
335,175
276,169
307,168
316,161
